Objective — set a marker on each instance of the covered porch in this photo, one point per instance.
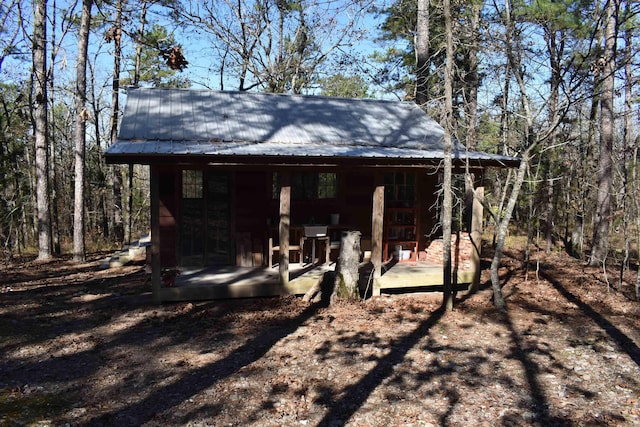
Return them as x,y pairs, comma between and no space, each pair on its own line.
248,282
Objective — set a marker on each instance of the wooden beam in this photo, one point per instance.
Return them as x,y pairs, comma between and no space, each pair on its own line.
460,164
476,234
284,226
204,292
155,235
377,217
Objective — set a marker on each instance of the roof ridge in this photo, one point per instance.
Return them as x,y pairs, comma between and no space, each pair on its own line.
273,94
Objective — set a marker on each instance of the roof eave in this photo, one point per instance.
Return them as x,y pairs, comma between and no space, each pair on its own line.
275,160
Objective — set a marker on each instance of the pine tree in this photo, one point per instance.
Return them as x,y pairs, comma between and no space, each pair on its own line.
40,101
600,242
80,133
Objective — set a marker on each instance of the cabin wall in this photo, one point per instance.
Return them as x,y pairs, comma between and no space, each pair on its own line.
427,186
254,211
353,203
169,185
358,200
251,194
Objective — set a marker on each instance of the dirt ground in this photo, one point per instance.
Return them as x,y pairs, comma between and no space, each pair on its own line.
80,346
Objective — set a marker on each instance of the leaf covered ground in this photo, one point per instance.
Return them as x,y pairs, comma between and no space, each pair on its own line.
81,346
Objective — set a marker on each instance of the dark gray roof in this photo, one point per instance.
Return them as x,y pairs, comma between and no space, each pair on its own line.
179,122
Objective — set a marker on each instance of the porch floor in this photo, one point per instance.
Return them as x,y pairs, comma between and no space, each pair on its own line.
246,282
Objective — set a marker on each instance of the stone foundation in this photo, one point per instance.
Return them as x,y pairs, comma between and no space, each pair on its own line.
462,253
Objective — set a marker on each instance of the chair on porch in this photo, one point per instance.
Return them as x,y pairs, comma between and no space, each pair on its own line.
333,242
295,246
365,247
334,245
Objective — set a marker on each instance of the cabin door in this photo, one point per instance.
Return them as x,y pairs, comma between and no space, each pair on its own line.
205,223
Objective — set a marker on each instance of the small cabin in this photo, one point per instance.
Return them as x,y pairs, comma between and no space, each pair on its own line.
251,192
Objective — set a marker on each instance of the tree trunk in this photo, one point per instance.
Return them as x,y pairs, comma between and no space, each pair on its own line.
498,299
80,133
587,171
472,81
555,54
628,146
138,57
422,54
549,209
136,81
30,216
530,145
40,128
346,278
118,228
102,218
447,203
600,243
55,222
577,236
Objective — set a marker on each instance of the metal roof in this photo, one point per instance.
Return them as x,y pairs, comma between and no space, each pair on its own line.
179,122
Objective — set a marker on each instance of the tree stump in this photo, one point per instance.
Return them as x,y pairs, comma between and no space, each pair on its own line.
343,282
346,278
322,290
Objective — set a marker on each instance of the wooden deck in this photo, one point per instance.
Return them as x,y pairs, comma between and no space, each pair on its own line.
246,282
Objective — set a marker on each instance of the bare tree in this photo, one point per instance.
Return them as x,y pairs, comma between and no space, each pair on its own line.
530,143
115,34
470,98
80,132
600,242
422,53
10,26
40,101
276,45
447,203
472,75
627,140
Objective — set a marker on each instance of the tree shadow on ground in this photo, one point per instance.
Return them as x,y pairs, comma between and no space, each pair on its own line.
354,397
625,343
538,404
194,382
60,309
61,267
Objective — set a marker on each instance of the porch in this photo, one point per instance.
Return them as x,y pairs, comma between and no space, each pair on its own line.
248,282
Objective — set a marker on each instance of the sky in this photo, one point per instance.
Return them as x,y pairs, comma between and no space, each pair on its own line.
202,62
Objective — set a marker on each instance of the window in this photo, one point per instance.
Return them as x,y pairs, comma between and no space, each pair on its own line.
192,184
275,186
327,186
400,187
308,186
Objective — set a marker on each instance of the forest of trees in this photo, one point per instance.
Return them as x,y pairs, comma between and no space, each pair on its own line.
554,82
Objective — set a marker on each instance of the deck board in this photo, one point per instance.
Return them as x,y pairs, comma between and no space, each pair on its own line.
247,282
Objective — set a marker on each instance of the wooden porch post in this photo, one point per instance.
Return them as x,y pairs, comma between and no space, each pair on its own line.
476,232
377,217
155,235
283,229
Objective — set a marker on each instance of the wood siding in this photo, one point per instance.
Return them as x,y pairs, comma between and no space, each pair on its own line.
169,193
255,214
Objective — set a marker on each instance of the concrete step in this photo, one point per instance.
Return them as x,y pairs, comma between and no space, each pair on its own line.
128,253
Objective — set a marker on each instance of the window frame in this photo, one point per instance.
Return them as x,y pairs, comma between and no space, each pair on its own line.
192,184
400,187
307,186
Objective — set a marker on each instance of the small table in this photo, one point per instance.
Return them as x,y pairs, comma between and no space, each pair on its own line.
317,233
